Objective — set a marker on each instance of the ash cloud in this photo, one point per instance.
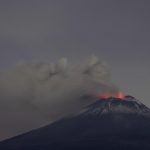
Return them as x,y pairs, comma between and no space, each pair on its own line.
34,93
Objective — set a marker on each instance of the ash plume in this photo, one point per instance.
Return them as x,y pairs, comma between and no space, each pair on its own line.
34,93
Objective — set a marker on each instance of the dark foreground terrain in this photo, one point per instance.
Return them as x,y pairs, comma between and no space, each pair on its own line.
108,124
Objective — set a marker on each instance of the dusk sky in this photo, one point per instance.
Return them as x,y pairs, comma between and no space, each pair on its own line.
117,31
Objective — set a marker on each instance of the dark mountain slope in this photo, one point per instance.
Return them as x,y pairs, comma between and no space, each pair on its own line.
107,124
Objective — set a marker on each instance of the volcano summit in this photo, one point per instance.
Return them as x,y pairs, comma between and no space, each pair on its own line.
108,124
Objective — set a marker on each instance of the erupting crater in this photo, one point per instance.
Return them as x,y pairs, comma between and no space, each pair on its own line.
106,95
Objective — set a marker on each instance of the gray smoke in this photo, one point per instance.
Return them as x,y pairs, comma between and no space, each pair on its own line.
33,94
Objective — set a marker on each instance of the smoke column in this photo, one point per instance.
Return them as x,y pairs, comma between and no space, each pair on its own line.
34,93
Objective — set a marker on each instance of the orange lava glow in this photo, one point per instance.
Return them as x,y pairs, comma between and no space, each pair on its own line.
106,95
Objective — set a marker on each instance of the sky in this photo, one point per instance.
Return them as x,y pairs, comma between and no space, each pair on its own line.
117,31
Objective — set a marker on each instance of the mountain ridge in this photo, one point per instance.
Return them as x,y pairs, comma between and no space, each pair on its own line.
116,105
103,124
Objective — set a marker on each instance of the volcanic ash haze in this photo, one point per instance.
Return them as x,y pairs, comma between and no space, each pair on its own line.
36,93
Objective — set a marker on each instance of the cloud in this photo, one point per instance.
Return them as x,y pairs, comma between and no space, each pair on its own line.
35,93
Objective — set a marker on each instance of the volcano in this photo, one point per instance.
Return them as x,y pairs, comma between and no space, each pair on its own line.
108,124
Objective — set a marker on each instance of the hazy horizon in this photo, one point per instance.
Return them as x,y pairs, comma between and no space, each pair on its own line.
35,33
